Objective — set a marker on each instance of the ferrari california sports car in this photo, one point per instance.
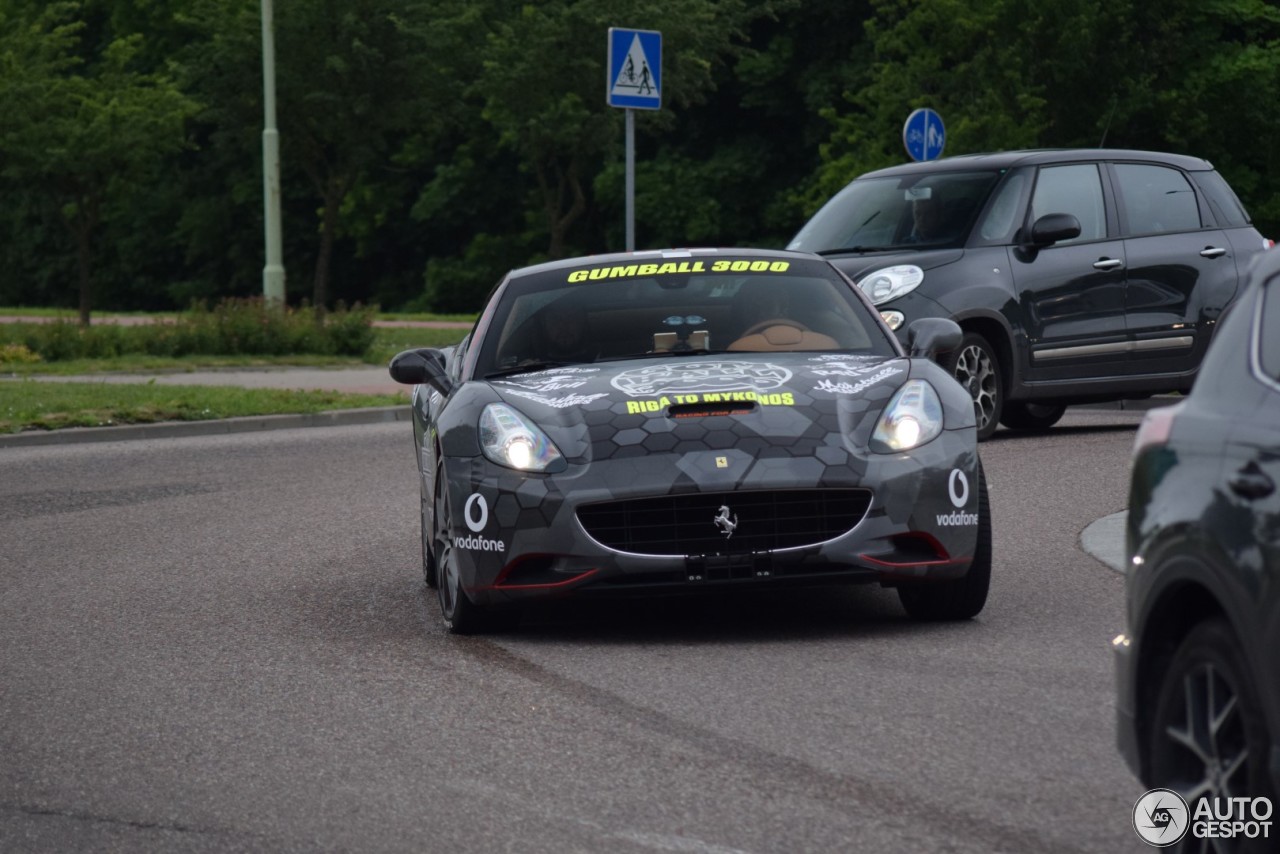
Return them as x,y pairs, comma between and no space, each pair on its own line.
684,420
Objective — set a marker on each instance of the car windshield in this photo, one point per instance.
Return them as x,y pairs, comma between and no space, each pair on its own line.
694,304
933,210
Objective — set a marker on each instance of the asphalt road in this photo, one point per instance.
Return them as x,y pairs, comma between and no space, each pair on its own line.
221,643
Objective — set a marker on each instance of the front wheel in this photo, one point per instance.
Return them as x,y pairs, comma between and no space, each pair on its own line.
1208,737
461,615
975,366
960,598
429,574
1023,415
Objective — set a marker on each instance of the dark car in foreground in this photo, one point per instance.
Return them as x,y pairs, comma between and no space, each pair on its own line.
1198,667
1077,275
687,420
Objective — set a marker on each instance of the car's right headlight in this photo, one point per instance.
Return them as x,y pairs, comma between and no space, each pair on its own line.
891,282
912,418
512,440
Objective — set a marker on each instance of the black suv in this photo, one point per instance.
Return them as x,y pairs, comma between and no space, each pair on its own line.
1198,669
1077,275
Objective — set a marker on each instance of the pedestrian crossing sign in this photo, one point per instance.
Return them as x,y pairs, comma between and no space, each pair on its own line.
635,69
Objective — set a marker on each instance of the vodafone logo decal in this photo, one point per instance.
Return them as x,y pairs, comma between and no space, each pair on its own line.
477,524
476,514
958,487
958,492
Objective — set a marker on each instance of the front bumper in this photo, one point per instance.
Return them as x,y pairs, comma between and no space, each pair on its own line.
532,543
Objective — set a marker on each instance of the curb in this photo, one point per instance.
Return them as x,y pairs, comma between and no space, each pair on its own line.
1104,540
177,429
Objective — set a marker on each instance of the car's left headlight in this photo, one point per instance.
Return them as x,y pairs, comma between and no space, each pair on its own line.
512,440
912,418
891,282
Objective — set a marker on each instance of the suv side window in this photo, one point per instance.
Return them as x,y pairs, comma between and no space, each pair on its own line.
1156,199
1075,190
1223,201
1002,215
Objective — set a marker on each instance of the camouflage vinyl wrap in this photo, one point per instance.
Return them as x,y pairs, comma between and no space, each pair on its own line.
720,424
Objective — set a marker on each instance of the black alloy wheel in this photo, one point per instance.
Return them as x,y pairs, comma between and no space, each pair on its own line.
1025,415
1207,737
960,598
975,366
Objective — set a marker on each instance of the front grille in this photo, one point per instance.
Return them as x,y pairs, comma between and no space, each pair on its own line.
686,524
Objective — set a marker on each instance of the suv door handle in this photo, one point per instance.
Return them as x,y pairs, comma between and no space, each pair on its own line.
1251,482
1108,264
1213,252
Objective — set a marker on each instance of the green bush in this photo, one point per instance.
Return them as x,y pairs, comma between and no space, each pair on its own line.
17,354
246,327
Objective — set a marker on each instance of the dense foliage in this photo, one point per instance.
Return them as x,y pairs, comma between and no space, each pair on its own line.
234,327
428,145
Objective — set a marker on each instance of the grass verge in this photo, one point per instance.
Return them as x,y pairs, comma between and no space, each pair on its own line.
386,343
34,405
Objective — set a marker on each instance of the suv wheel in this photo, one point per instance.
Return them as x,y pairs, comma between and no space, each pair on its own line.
1208,738
1022,415
975,366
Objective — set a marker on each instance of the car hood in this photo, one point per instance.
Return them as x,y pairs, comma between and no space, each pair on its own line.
668,403
856,266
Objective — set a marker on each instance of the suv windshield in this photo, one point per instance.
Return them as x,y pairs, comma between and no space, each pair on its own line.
932,211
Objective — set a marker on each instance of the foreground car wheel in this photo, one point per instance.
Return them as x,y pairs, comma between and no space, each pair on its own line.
975,367
429,574
961,598
1020,415
461,615
1207,738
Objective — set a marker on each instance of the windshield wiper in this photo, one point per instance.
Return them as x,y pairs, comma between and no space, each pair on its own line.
854,249
528,368
656,354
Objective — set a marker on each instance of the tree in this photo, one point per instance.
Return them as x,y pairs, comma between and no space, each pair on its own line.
78,134
1174,75
542,87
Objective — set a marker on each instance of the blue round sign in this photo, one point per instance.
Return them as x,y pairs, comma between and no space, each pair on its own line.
924,134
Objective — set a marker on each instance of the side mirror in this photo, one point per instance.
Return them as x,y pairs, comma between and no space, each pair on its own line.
1051,228
418,367
929,336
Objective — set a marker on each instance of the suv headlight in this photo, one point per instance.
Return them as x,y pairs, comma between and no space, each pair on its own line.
912,418
511,440
891,282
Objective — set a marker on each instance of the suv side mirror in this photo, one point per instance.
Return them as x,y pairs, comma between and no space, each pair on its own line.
417,367
1051,228
929,336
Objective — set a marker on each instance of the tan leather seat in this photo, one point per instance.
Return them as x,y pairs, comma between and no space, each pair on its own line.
784,335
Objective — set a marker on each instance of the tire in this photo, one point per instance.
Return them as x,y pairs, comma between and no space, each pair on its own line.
960,598
461,615
1035,417
975,366
1205,683
429,574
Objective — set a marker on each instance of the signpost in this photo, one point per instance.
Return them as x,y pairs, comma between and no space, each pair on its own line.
924,135
634,83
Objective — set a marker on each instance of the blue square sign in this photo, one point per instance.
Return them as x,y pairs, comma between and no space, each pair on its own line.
635,69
